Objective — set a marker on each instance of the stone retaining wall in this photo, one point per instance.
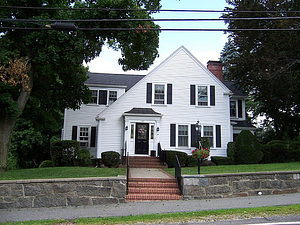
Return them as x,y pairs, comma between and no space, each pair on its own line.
62,192
240,185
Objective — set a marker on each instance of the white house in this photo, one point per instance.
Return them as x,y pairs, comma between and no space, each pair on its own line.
137,112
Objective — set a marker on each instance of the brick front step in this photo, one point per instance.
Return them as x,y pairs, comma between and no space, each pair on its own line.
152,197
135,190
144,162
152,189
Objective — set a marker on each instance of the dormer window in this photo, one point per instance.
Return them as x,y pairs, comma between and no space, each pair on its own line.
112,97
103,97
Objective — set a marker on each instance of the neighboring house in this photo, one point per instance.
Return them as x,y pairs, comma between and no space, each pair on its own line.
137,112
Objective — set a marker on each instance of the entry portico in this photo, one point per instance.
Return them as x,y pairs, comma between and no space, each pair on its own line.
141,134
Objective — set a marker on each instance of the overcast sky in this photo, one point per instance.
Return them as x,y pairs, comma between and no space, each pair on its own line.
204,45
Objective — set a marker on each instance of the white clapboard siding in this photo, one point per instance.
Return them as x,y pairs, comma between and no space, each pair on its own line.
181,70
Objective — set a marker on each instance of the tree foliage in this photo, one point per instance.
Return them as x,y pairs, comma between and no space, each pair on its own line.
267,65
52,60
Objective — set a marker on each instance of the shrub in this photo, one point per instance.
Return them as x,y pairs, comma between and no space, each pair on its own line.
248,149
46,163
170,158
110,158
191,161
222,160
275,151
83,157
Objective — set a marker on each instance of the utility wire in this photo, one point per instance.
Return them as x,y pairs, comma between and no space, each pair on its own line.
150,19
156,29
153,10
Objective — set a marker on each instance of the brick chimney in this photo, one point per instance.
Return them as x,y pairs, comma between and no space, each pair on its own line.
216,68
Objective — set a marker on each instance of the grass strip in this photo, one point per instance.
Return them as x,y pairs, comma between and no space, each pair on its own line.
199,216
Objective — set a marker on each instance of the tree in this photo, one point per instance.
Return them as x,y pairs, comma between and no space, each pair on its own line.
267,65
228,54
52,74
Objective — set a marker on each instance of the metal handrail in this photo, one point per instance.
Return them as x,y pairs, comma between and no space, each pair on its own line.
127,174
161,153
178,173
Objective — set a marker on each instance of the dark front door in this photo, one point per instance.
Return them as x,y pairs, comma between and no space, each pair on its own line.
142,138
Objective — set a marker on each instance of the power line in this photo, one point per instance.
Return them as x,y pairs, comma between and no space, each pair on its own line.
153,10
150,19
157,29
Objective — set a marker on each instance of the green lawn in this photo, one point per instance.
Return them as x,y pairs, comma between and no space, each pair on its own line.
237,168
76,172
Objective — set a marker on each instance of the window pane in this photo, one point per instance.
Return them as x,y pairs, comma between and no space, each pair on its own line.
183,135
112,97
202,95
233,108
159,94
94,96
208,132
84,136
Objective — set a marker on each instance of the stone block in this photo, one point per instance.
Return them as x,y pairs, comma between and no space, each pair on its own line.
222,189
17,190
104,201
204,182
290,184
32,190
217,180
242,186
118,190
191,181
193,191
263,192
4,190
7,205
78,201
284,176
63,188
93,191
49,201
22,202
270,184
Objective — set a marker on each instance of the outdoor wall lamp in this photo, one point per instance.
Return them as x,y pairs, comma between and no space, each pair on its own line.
157,129
126,128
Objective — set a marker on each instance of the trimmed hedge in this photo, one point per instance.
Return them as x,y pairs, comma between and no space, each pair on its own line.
191,161
170,158
222,160
110,158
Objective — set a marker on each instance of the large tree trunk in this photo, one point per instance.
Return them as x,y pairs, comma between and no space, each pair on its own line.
7,122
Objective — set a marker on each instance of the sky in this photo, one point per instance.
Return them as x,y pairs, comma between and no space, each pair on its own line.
204,45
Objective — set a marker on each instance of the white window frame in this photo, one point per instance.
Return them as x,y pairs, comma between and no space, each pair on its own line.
204,134
187,136
196,95
83,139
110,99
164,94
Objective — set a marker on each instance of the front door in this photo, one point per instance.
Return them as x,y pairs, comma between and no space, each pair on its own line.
142,138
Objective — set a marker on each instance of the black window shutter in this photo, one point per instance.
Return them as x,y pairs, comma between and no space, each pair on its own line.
169,94
193,135
172,135
93,137
149,93
192,94
218,136
212,95
240,109
74,133
102,97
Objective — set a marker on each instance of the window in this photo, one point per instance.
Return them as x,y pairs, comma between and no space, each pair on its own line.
183,135
94,97
159,94
202,95
233,109
208,132
112,97
84,136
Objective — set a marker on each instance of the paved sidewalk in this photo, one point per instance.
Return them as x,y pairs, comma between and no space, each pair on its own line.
148,173
141,208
